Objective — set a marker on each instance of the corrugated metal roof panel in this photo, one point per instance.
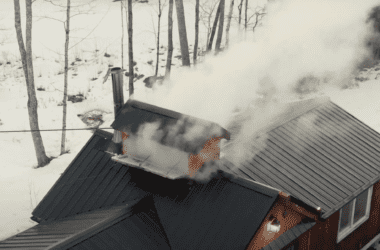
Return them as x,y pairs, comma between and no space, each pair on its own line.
91,181
212,215
140,231
135,113
60,234
322,156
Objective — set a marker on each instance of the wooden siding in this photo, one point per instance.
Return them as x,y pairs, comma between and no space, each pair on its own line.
293,219
324,234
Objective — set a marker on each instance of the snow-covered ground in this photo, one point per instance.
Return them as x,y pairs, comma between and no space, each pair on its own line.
21,185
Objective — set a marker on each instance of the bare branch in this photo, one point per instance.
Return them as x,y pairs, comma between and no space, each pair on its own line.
51,49
64,6
47,17
93,28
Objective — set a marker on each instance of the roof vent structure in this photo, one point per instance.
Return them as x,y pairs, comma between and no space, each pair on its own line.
166,142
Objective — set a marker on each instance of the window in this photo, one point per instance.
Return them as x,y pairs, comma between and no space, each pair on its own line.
354,213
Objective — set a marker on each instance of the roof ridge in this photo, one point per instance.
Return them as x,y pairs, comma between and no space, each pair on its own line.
103,133
276,122
251,184
166,112
121,212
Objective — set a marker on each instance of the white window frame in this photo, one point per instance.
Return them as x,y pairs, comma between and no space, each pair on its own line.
353,226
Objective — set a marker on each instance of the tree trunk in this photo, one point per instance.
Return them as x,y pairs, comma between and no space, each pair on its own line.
209,47
130,47
27,63
246,19
158,36
122,35
220,29
240,7
196,31
182,33
170,40
67,31
229,23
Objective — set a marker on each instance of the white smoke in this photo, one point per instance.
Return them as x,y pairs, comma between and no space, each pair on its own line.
324,39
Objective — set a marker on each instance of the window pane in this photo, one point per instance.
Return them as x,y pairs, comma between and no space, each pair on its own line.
361,206
345,216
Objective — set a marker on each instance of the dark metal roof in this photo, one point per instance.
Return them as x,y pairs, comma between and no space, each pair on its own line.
140,231
91,181
323,156
290,235
222,214
135,113
169,214
64,233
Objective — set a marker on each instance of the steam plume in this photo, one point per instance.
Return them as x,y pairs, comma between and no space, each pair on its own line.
300,40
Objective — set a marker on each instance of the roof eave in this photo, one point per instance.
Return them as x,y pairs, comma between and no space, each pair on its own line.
254,185
350,198
163,112
83,235
36,219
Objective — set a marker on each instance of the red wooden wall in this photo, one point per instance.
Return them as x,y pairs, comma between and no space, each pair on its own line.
287,213
324,234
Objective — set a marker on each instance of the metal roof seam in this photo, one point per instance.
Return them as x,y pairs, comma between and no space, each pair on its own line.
316,163
311,158
303,176
367,128
39,210
330,157
353,138
318,141
339,141
304,168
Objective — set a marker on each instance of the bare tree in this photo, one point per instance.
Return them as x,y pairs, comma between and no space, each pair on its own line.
170,40
246,10
196,31
130,47
160,7
209,47
66,26
258,13
229,23
182,33
220,29
208,7
122,34
240,7
67,31
27,64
